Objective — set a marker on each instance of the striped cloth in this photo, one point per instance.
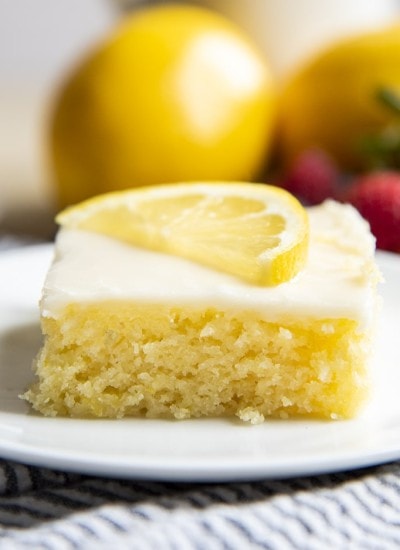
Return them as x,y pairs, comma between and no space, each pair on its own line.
44,509
49,510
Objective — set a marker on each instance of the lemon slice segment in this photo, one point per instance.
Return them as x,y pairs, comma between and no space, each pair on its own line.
257,232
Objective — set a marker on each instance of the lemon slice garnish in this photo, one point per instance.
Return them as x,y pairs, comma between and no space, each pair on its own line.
253,231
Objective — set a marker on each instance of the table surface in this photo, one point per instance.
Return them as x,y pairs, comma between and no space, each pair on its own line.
42,508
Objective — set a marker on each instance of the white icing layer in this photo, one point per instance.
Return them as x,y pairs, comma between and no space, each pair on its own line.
338,280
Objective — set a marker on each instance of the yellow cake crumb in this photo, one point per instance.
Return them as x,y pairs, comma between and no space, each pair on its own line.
120,359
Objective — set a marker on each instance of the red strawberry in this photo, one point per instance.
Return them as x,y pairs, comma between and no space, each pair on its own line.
377,197
312,177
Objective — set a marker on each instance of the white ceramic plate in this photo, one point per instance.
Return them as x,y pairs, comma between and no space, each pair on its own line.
196,450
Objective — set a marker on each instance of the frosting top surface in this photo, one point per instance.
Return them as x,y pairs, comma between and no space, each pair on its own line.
338,281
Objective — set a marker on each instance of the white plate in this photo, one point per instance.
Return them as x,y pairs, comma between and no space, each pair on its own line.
195,450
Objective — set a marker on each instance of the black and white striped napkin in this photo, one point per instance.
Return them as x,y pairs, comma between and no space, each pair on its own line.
44,509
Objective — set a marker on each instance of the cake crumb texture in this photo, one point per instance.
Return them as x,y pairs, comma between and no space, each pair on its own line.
121,359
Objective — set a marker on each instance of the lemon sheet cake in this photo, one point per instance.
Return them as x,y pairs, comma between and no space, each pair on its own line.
130,331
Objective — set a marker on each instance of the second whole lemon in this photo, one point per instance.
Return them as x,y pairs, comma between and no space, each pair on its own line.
177,93
332,102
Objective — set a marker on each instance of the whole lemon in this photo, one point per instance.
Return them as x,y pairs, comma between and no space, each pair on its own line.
332,101
177,93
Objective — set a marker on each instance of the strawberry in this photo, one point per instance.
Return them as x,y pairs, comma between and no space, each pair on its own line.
313,177
377,197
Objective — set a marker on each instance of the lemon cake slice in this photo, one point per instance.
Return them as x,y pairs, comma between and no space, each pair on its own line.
132,330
